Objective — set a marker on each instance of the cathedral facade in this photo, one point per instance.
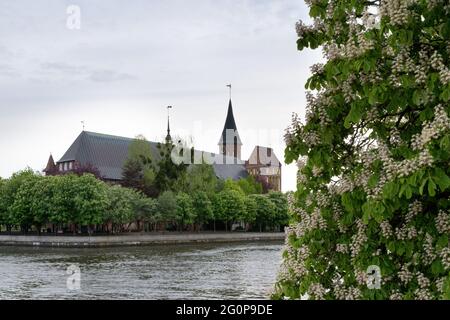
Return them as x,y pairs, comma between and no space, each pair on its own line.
107,155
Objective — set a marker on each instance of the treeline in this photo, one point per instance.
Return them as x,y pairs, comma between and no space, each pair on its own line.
83,203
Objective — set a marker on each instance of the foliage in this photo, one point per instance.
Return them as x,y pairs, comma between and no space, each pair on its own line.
71,202
203,207
120,208
138,170
185,210
251,210
373,154
198,177
168,172
232,205
250,185
167,206
265,211
281,208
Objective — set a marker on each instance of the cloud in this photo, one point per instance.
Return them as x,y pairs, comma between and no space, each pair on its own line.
110,76
94,74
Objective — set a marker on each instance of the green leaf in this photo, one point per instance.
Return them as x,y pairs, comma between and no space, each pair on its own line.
354,115
441,179
437,267
431,188
442,242
391,246
400,248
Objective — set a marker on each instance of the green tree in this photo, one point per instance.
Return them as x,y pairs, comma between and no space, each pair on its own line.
232,206
7,196
232,185
281,213
90,200
139,169
120,207
265,211
217,208
373,154
249,185
198,177
203,207
22,206
145,211
167,207
185,210
168,171
251,210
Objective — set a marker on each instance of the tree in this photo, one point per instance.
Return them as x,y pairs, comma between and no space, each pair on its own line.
120,207
265,211
373,154
22,205
217,208
203,207
198,177
7,196
167,207
251,210
168,171
232,206
138,171
281,214
249,185
231,185
185,210
145,210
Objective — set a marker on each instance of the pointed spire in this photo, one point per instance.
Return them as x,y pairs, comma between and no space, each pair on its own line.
230,124
51,166
168,137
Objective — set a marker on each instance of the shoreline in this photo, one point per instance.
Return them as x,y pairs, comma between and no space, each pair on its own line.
136,239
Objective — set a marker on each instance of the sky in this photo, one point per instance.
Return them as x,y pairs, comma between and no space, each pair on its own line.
121,63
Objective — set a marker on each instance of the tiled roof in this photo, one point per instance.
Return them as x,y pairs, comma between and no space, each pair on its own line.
108,154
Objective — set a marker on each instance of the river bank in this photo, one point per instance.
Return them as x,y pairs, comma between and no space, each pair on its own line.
137,239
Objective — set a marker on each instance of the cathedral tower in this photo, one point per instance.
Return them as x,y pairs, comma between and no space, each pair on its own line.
230,143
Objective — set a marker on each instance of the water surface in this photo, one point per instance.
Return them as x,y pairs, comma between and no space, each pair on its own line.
200,271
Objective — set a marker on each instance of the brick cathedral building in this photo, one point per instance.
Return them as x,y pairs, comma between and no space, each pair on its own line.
107,154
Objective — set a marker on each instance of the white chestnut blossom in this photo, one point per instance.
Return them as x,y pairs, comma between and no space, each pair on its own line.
443,222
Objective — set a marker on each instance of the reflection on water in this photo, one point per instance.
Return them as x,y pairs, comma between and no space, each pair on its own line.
201,271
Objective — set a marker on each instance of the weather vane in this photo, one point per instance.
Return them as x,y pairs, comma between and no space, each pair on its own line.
82,122
229,86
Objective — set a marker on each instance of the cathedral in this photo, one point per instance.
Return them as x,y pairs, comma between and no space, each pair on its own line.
108,153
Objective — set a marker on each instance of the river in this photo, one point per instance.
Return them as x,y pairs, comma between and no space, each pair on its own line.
200,271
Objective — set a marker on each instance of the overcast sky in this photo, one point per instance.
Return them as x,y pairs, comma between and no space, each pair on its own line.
130,59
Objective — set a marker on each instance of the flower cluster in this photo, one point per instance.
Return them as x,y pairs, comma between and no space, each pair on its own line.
413,210
432,130
445,256
396,295
343,293
317,291
437,63
428,254
405,275
443,222
359,239
342,248
386,229
396,10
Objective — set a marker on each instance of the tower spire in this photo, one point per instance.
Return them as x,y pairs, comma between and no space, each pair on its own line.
168,137
230,143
